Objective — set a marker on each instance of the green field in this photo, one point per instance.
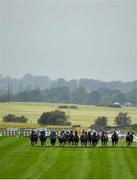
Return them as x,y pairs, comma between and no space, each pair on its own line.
20,160
85,115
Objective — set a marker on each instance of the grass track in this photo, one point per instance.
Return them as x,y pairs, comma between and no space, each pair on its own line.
20,160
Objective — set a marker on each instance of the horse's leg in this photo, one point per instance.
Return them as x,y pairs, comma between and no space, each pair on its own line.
36,141
73,143
129,143
102,142
42,142
90,143
86,143
51,141
45,141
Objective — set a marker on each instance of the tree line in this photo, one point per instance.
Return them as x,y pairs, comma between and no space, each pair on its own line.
78,95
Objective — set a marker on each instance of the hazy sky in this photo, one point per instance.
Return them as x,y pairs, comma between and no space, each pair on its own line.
69,39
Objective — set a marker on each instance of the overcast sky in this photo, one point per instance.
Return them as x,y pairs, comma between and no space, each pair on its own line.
69,39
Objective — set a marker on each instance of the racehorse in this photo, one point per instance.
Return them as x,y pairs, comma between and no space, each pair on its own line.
84,138
62,139
42,137
94,139
71,138
53,138
89,138
129,138
76,138
114,138
33,138
66,137
104,139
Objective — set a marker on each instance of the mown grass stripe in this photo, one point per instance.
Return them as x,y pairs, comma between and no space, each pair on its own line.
41,163
131,159
9,154
7,141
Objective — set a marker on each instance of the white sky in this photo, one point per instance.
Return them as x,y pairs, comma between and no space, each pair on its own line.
69,39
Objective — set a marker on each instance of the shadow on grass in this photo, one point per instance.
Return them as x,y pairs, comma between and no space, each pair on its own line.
83,147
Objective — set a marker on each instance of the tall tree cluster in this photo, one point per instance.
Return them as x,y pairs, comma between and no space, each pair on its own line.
79,95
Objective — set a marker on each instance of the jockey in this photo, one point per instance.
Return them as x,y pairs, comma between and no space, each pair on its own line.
71,132
96,133
35,131
115,134
128,133
61,133
42,132
32,131
83,132
103,132
53,133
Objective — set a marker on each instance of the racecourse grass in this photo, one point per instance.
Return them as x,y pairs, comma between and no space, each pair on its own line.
20,160
85,115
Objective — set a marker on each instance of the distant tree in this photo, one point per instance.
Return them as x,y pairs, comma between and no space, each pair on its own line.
59,83
73,107
105,96
100,122
64,94
118,97
93,97
68,107
22,96
58,94
3,97
131,96
122,119
79,95
13,118
54,118
73,84
63,106
90,84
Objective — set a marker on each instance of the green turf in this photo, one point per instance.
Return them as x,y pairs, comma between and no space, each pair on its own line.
19,160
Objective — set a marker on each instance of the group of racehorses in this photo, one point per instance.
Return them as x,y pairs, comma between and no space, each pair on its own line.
72,138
